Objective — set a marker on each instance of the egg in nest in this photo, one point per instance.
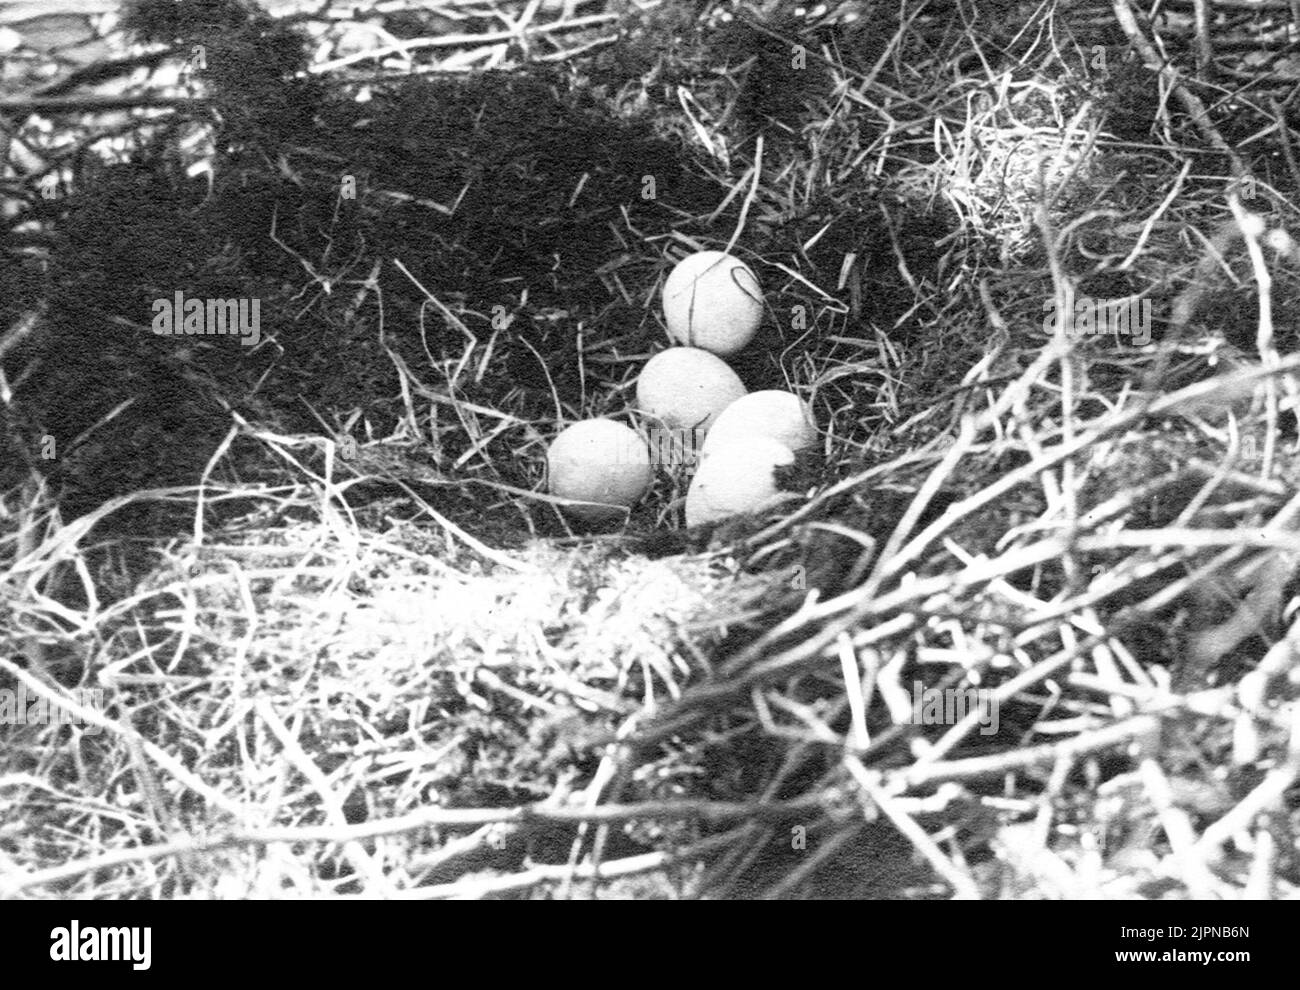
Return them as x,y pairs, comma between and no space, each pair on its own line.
713,300
781,416
603,466
736,477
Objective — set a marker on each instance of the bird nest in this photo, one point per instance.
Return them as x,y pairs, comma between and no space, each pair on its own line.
1023,628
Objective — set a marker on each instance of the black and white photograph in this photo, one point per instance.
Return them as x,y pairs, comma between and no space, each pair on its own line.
652,450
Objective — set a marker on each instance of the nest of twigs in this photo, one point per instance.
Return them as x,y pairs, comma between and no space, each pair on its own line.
1024,627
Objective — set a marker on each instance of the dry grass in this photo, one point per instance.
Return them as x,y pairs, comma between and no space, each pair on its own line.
374,661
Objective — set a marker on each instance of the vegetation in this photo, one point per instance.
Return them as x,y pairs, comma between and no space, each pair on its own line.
345,644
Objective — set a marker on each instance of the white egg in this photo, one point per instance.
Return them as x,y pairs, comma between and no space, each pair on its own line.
734,478
782,416
714,301
686,388
598,461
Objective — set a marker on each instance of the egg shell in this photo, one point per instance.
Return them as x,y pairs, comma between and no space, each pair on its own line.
782,416
734,478
713,300
686,388
598,460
